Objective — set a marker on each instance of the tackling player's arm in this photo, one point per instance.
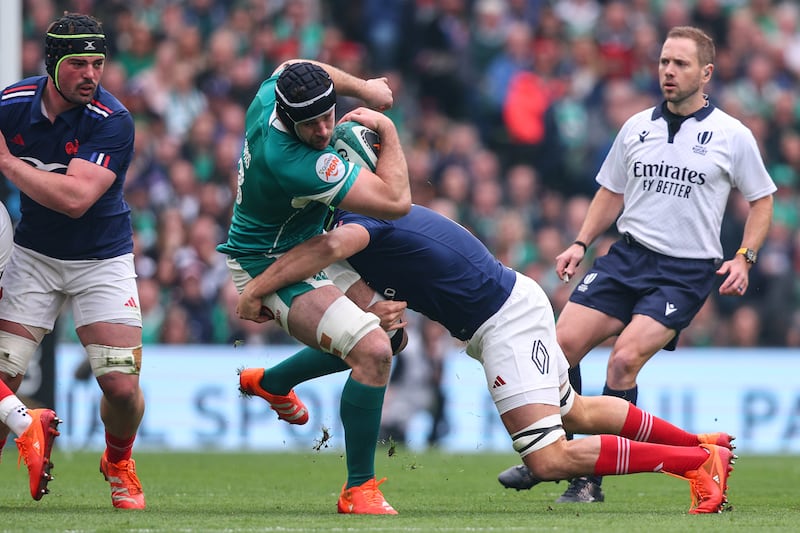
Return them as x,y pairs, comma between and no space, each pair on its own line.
71,194
301,262
603,211
375,92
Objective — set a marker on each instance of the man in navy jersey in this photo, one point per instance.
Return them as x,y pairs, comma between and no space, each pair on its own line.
66,144
442,271
667,177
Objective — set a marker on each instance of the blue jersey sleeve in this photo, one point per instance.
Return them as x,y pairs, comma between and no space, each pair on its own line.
110,144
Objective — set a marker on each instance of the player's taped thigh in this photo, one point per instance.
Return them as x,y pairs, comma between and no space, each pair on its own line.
16,352
105,359
538,435
342,325
344,276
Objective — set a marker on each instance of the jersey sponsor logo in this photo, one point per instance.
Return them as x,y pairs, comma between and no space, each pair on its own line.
389,293
330,168
670,309
540,357
41,165
665,170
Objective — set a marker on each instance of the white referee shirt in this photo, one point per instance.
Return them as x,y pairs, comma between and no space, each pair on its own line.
676,191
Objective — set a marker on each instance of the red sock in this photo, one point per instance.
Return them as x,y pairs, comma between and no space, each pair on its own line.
619,455
4,390
642,426
118,449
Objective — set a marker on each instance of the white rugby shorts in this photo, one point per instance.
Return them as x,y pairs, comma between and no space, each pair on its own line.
6,236
517,347
36,287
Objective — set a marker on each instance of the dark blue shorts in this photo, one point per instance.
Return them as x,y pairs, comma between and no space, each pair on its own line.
632,280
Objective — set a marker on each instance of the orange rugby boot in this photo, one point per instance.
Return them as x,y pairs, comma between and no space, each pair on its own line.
288,407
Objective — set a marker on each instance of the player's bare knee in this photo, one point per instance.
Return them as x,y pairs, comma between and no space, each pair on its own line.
372,356
624,365
120,389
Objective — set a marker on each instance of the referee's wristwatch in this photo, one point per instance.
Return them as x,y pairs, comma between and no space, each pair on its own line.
750,255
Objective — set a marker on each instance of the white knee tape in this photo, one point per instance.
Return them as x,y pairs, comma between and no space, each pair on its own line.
15,353
538,435
567,398
37,333
105,359
343,325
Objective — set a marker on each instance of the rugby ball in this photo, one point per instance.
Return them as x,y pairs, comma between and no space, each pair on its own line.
357,144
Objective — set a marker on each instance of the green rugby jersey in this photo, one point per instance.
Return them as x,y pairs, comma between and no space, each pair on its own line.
284,187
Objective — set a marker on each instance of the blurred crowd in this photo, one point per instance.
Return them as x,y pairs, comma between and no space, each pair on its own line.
506,109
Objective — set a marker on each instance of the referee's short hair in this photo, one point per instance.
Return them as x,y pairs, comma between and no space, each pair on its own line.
706,51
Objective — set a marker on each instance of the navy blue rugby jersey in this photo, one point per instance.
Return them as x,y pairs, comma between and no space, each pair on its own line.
102,132
435,265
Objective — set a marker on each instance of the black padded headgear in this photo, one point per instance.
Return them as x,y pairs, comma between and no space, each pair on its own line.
304,91
74,34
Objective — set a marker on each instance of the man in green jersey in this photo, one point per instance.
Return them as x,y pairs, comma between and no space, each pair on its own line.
289,177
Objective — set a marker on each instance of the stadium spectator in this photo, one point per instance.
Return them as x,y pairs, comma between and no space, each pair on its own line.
670,211
67,144
581,122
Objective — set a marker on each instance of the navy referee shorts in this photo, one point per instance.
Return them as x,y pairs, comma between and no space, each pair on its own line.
633,280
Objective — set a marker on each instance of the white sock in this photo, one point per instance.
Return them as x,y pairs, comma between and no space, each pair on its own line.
14,414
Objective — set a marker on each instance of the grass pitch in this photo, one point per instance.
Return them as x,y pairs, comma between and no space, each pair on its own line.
433,492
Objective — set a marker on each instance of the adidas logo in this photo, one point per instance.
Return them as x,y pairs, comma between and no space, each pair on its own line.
131,303
498,382
17,139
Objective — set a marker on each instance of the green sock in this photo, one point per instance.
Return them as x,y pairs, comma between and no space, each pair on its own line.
306,364
360,410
